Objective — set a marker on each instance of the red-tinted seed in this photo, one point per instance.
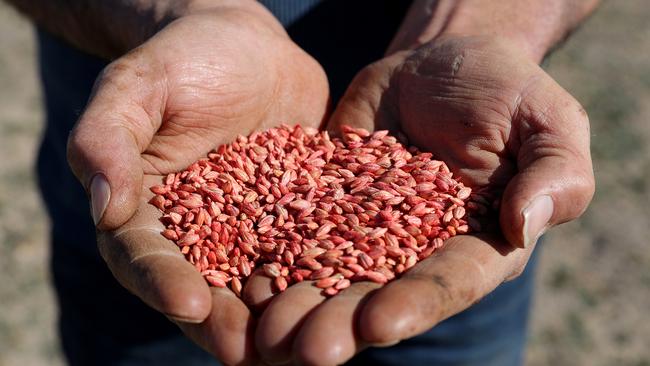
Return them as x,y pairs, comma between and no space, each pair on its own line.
189,239
300,204
215,281
342,284
193,201
330,291
236,286
327,282
365,260
271,270
375,277
170,234
297,277
158,201
280,283
321,273
303,205
464,193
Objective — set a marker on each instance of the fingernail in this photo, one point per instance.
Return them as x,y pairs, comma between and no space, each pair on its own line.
100,194
536,218
180,320
385,344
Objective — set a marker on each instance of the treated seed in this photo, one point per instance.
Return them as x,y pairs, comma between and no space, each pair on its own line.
464,193
323,230
189,239
330,291
271,270
244,268
342,284
170,234
301,204
193,201
288,257
215,281
296,277
321,273
375,277
314,252
365,260
280,283
236,286
327,282
310,263
356,268
459,212
158,201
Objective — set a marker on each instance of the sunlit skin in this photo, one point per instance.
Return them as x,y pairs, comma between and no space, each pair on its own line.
499,121
197,84
478,103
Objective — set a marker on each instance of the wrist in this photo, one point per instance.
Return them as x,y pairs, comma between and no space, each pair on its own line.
535,27
532,28
158,15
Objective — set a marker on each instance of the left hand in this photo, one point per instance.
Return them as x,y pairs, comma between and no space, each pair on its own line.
205,78
499,122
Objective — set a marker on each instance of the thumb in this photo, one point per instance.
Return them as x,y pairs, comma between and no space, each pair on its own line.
104,147
365,103
555,180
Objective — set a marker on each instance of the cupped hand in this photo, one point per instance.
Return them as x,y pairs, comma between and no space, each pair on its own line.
502,124
198,83
494,116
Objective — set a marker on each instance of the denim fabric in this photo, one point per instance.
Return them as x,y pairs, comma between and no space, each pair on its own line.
102,324
490,333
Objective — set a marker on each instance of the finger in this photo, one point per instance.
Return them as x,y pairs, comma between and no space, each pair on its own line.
329,336
555,182
153,268
104,147
258,291
444,284
282,319
365,104
227,332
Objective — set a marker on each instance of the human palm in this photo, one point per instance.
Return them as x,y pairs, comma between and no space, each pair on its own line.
198,83
504,127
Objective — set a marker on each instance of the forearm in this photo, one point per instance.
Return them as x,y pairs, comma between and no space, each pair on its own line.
535,25
107,28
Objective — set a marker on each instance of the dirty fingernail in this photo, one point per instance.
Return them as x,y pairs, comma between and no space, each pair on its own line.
536,218
100,194
386,344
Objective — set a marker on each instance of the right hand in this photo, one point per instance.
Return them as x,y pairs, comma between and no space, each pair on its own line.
198,83
482,106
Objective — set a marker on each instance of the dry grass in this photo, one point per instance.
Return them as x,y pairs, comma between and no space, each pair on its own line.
594,279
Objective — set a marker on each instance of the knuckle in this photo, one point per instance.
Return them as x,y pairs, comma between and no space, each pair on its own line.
517,271
74,148
116,68
372,73
585,188
520,261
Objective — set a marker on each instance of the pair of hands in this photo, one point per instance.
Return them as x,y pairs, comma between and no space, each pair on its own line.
477,103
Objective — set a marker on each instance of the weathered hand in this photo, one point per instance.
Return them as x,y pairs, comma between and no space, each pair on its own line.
499,122
198,83
496,118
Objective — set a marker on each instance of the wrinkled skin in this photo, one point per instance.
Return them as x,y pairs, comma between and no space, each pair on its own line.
499,122
492,114
195,85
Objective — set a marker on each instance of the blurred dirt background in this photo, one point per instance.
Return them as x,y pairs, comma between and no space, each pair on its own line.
593,297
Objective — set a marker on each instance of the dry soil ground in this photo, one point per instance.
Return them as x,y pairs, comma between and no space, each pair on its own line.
593,296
